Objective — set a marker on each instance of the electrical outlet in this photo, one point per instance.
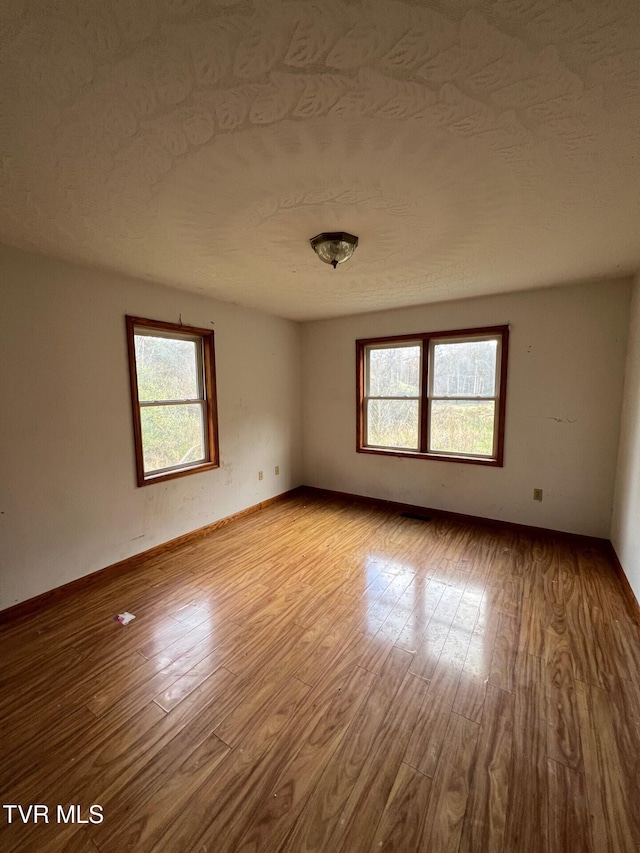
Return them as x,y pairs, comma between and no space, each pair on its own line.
260,475
277,469
537,494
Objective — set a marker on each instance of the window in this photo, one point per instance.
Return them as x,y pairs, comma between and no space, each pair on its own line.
173,395
439,395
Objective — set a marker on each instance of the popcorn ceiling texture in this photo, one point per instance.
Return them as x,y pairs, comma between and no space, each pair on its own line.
474,146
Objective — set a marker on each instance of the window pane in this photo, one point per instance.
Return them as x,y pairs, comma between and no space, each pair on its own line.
462,426
167,368
394,371
465,369
172,435
392,423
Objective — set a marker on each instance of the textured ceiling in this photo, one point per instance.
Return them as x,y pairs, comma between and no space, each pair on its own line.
474,146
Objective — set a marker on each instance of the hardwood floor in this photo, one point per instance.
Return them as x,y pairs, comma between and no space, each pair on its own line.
327,675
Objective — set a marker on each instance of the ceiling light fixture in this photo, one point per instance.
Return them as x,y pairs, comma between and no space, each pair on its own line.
334,247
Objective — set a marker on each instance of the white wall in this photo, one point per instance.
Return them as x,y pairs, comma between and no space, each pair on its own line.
625,530
69,503
566,364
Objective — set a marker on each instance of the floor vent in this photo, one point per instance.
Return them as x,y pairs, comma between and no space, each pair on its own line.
415,516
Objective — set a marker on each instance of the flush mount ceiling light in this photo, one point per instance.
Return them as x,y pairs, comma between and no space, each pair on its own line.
334,247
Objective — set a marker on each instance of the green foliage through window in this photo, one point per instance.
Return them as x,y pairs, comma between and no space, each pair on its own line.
175,429
438,394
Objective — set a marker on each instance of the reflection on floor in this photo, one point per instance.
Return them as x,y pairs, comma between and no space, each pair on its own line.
327,675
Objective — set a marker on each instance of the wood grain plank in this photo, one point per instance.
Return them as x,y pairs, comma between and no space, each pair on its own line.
474,678
403,822
355,828
505,650
322,810
527,811
427,740
259,801
568,812
563,728
486,813
147,823
451,786
613,822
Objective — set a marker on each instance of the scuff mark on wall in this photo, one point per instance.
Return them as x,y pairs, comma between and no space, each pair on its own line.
227,467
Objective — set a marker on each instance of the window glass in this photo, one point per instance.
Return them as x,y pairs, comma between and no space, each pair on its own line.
168,368
464,369
394,371
393,423
462,426
172,435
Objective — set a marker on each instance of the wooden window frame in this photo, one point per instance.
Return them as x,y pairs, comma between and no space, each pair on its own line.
425,339
208,365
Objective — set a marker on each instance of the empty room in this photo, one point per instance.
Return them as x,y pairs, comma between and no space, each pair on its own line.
320,424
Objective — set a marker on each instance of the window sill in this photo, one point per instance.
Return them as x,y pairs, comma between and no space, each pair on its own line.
148,479
414,454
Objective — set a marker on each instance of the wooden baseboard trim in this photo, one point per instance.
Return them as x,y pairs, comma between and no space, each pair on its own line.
39,602
458,516
633,605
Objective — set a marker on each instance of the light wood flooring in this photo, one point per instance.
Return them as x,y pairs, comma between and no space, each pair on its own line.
326,675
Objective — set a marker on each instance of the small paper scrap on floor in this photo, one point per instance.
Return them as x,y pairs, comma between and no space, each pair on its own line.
124,618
